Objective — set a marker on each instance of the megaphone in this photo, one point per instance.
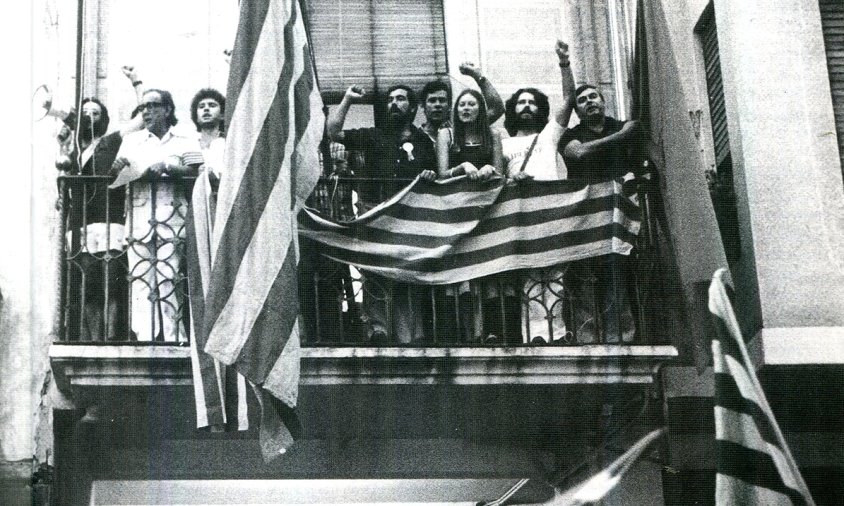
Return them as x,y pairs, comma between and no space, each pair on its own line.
42,105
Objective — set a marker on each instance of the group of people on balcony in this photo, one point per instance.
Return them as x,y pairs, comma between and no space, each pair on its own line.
134,228
147,156
597,149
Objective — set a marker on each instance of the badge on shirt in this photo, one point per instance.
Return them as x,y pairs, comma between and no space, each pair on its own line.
408,148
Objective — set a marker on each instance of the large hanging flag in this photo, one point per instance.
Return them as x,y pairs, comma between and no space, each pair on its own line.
274,125
220,398
457,230
754,464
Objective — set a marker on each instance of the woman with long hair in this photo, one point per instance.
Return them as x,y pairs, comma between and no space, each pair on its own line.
466,311
469,148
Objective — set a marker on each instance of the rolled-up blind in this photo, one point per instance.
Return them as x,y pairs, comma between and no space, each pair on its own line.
376,43
832,21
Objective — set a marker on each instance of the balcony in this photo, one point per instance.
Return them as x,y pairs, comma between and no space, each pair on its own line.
126,316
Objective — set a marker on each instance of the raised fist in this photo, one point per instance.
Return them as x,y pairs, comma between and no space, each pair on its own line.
355,91
562,50
470,69
129,71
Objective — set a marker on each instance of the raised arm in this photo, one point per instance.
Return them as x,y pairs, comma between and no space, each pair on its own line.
494,104
335,121
563,115
137,122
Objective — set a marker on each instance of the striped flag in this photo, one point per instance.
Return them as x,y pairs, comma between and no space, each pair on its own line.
457,230
755,465
275,123
220,398
597,487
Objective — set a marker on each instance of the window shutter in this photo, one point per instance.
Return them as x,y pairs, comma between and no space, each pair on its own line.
376,44
832,21
715,86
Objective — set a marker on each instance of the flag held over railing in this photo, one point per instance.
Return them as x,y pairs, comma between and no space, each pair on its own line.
754,462
274,125
457,230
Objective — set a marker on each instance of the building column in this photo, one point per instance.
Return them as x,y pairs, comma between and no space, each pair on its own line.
790,278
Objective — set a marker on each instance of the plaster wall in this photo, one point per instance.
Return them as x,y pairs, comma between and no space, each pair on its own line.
782,135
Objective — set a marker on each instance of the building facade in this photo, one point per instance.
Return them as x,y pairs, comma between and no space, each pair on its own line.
742,104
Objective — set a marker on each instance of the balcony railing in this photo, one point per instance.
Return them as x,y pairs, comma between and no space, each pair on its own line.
124,282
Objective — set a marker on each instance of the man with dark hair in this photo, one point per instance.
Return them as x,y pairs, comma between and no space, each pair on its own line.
207,111
394,154
151,161
531,149
602,148
95,214
436,100
400,150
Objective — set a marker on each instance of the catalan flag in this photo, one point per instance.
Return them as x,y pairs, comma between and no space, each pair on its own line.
754,463
457,230
275,123
220,398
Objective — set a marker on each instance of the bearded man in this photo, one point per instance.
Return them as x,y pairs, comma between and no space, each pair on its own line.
394,154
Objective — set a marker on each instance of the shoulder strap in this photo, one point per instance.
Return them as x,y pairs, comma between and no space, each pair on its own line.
530,151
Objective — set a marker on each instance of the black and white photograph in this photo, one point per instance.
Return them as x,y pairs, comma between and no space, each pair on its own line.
422,252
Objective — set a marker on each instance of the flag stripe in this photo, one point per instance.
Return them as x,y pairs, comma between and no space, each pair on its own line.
753,459
272,165
507,227
251,114
731,398
740,429
257,355
730,491
753,467
208,390
420,260
252,15
255,189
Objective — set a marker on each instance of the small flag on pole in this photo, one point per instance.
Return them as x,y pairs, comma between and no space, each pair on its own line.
275,123
754,464
597,487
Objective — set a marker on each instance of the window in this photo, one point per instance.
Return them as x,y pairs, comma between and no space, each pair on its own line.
376,44
832,21
722,190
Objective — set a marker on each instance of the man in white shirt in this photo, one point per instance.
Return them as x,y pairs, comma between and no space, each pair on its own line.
532,136
156,157
531,153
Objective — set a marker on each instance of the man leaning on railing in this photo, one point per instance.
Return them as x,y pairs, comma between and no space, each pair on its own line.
149,161
602,148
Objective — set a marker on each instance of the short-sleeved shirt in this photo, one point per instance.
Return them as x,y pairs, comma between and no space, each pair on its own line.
605,165
389,159
544,163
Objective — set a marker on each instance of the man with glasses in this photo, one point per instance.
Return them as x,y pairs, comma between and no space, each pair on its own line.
152,162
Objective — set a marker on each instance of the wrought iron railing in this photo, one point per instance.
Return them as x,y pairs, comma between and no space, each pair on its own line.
124,281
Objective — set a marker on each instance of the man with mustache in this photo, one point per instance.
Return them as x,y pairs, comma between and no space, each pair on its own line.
602,148
531,149
95,222
156,157
395,154
531,153
436,101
